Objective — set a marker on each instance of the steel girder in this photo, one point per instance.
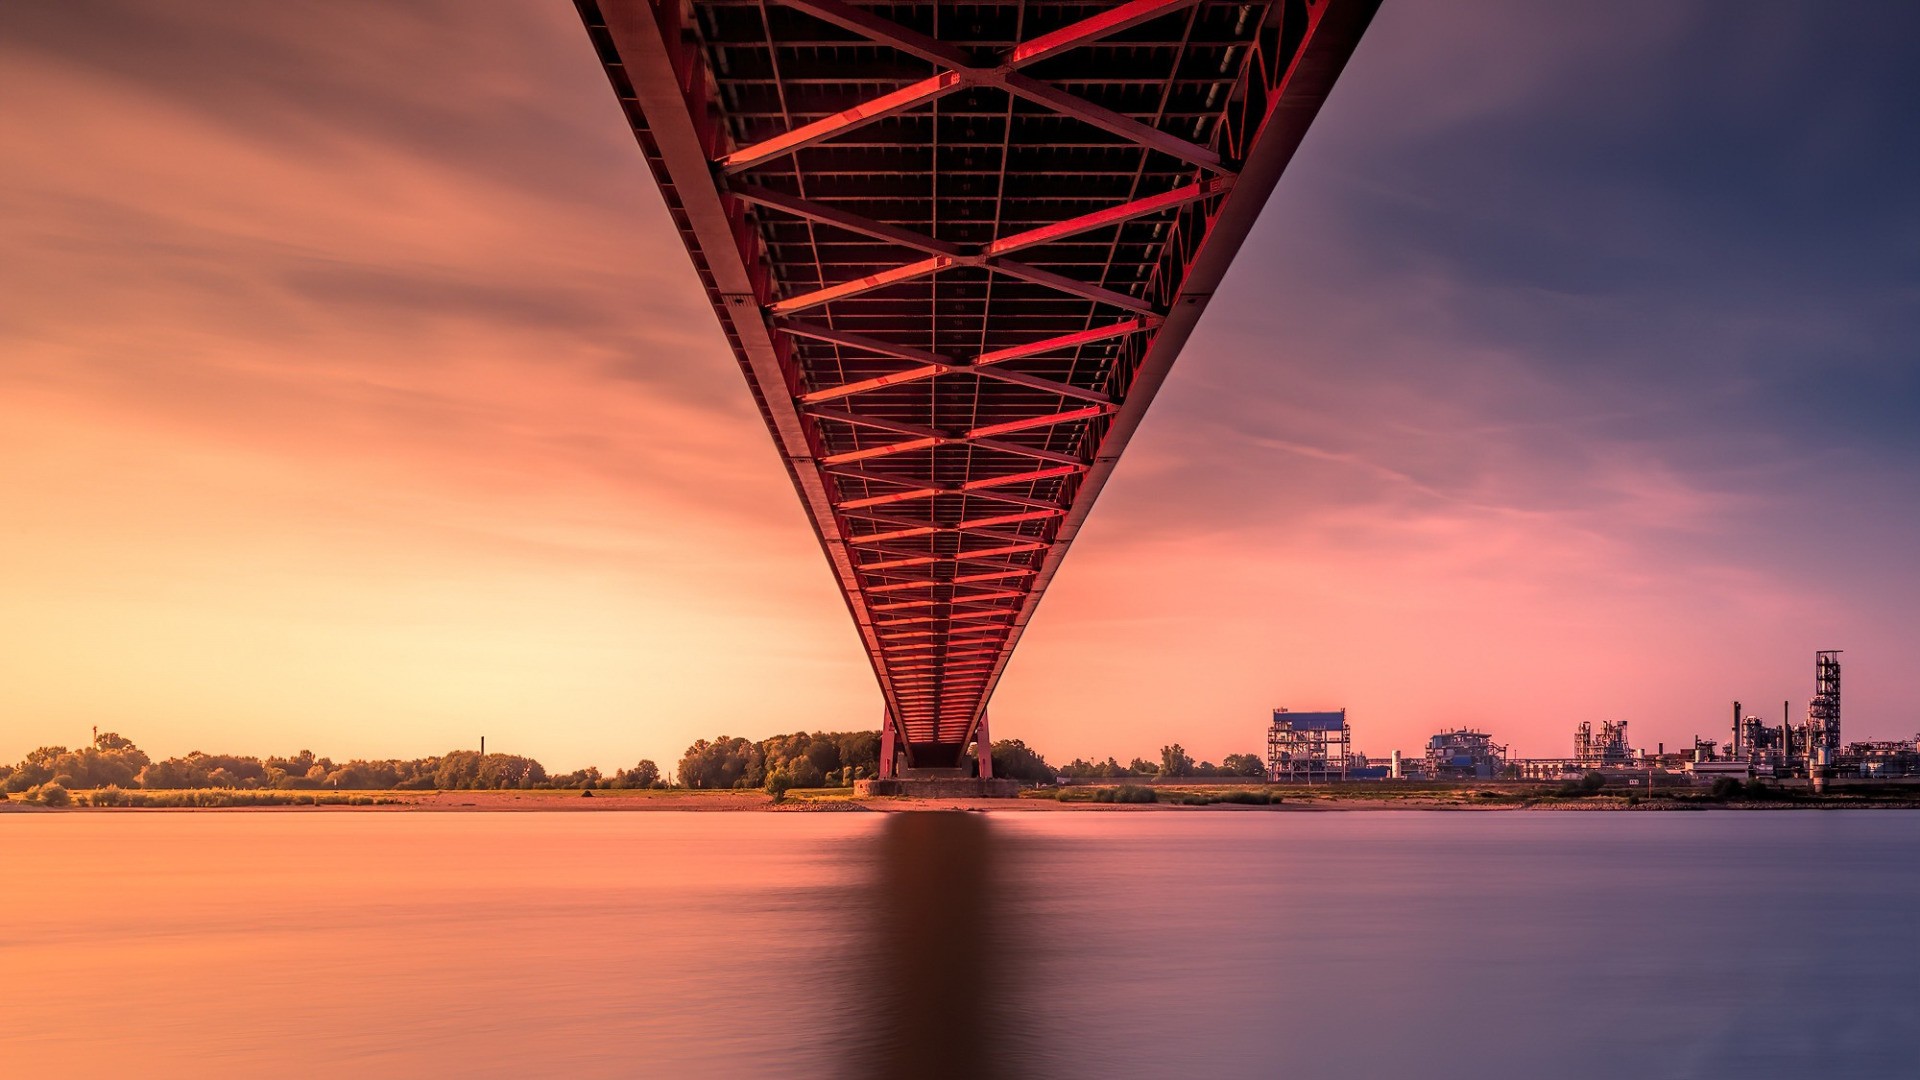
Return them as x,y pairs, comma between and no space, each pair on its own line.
955,249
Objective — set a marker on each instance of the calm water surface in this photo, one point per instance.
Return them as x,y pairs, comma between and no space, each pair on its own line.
1014,944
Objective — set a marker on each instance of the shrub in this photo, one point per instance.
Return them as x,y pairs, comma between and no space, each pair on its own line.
778,782
1726,788
54,795
1593,782
1133,793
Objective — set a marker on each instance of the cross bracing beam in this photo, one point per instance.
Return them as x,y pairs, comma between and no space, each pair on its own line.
961,71
948,411
978,368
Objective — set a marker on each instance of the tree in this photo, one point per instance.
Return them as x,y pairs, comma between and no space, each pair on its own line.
1175,762
724,763
454,771
1243,765
777,784
644,775
586,779
512,771
1012,759
34,769
858,750
803,773
727,762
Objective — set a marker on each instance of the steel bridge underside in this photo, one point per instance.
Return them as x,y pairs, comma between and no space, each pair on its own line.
955,249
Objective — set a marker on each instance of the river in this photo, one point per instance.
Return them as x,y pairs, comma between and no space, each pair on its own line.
1111,944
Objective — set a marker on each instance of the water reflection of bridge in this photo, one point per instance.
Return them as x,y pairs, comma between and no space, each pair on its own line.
955,249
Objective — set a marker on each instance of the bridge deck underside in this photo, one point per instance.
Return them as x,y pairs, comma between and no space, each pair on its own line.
969,237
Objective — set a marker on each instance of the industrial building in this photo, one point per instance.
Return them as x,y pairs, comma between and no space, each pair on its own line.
1881,760
1593,751
1811,749
1609,749
1309,746
1465,755
1756,742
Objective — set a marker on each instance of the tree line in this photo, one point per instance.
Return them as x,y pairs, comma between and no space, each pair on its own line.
822,759
799,760
837,759
1174,761
776,764
114,761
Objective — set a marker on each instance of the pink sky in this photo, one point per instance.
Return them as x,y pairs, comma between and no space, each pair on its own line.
355,395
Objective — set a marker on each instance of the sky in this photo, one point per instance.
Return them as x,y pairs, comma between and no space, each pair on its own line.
356,395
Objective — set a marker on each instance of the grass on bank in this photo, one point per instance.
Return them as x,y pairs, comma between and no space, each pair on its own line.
55,796
1485,793
58,797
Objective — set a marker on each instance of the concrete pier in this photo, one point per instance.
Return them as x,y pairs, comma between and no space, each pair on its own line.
939,787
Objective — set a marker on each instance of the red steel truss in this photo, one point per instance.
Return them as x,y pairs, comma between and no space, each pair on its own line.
956,248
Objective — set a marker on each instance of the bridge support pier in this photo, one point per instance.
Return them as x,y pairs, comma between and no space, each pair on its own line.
936,783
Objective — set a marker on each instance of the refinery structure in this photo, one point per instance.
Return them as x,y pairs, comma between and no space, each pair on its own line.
1317,746
1309,746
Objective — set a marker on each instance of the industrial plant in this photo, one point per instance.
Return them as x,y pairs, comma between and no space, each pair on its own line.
1318,746
1309,746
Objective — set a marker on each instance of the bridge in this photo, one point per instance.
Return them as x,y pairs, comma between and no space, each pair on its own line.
955,248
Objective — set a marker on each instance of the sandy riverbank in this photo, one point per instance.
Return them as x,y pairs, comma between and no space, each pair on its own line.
1171,800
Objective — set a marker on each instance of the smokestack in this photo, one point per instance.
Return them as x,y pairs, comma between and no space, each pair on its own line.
1733,747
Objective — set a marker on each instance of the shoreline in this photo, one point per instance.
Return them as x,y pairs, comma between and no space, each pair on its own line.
1472,799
